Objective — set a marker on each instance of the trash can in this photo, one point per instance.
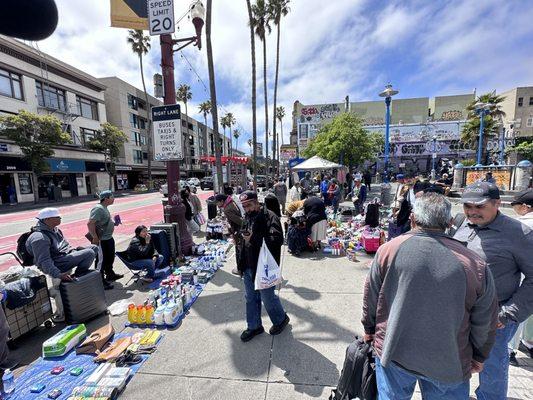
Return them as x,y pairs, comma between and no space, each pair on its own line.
211,208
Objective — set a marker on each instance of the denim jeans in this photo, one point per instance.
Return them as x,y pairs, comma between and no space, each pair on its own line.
395,383
148,265
253,303
495,375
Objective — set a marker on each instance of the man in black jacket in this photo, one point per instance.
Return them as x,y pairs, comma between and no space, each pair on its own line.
260,224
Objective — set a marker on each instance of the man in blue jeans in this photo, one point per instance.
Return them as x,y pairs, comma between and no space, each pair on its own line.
430,308
260,224
507,246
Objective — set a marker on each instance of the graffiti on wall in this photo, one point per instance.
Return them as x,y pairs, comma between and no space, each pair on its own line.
319,113
452,115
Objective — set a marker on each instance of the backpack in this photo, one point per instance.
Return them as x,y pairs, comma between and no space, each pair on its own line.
358,376
22,252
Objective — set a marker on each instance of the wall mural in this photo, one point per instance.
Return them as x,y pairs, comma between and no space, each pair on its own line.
502,177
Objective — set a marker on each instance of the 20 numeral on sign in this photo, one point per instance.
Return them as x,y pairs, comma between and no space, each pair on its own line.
166,23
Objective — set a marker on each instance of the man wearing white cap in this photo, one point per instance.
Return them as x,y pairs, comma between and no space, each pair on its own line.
51,251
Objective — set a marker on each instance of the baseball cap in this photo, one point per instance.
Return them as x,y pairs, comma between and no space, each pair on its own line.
400,176
249,195
480,192
106,194
523,197
48,212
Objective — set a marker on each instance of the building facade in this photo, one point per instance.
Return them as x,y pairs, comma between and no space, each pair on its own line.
518,108
36,82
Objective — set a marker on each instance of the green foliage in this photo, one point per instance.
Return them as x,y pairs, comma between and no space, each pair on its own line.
261,19
140,44
344,139
280,113
525,149
35,135
470,132
469,163
108,141
184,94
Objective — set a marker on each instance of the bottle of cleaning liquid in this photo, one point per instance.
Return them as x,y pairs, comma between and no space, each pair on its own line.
171,313
149,314
159,314
132,314
141,315
9,382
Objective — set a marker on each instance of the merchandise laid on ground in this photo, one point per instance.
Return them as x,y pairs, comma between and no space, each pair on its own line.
76,364
349,234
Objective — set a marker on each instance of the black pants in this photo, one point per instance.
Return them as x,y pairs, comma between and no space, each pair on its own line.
107,252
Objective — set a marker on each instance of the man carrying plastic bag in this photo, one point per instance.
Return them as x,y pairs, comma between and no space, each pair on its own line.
261,250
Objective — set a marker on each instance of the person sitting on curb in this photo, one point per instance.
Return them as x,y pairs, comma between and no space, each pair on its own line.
141,254
51,252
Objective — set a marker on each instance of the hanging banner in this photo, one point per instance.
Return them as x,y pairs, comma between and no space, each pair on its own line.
130,14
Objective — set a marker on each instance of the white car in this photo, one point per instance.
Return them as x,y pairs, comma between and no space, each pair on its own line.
193,182
164,188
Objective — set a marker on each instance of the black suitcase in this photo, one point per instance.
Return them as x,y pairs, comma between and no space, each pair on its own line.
84,298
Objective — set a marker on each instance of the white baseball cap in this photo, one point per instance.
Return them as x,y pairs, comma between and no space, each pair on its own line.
48,212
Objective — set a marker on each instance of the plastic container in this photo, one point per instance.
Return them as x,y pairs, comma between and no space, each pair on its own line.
132,314
141,315
149,314
9,382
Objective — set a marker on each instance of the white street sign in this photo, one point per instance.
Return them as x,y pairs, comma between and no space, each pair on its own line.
161,16
167,133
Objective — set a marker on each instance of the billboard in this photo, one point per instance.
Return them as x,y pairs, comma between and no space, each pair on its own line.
130,14
421,132
286,152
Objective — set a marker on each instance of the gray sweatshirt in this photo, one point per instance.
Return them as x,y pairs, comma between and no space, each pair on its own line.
431,305
506,245
47,247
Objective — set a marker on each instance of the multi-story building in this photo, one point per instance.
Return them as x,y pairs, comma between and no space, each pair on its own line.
36,82
518,108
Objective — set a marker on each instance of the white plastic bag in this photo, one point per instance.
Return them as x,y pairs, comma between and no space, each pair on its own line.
268,272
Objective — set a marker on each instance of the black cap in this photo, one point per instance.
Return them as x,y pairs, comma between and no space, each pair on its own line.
524,197
249,195
220,197
480,192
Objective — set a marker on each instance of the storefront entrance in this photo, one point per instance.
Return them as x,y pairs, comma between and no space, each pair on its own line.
8,193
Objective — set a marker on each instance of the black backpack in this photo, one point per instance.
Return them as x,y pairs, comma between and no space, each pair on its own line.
358,376
22,252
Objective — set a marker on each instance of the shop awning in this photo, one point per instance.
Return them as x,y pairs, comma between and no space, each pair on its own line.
315,163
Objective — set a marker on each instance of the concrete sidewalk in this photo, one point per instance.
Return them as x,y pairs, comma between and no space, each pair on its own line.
204,357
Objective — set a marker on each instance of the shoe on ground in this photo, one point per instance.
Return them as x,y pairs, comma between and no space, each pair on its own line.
249,334
277,329
235,271
512,359
114,277
146,279
108,285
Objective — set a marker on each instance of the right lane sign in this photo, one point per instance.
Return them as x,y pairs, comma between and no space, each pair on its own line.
167,133
161,16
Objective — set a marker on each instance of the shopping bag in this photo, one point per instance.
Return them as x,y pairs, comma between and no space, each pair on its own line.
199,218
268,272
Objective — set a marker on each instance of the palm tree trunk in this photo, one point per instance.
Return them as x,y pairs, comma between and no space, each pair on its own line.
254,100
212,89
35,182
274,131
149,127
266,100
281,126
206,136
186,144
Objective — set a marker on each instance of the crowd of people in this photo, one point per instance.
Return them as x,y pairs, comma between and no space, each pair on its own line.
444,298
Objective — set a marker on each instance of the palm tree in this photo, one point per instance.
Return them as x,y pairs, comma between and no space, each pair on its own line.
470,131
224,124
205,108
184,94
212,89
261,23
140,45
236,135
254,99
277,9
230,120
280,114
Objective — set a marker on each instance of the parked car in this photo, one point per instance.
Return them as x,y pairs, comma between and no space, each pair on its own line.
193,182
206,183
164,187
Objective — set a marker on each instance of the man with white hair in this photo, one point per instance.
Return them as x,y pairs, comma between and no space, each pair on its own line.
51,252
430,308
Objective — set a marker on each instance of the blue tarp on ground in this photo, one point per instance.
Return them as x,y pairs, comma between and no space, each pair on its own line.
39,372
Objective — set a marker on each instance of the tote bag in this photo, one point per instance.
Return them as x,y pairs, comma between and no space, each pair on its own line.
268,272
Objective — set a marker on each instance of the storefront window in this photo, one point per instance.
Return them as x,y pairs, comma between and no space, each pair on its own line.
25,184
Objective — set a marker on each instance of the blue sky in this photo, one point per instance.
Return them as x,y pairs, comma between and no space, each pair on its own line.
328,50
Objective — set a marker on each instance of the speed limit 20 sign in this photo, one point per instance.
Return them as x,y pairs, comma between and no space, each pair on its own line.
161,16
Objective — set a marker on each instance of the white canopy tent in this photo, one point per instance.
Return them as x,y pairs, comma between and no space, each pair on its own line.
316,163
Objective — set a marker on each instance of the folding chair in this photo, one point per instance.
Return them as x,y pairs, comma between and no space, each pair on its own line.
137,274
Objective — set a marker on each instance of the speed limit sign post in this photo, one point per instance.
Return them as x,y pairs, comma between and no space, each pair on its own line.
161,17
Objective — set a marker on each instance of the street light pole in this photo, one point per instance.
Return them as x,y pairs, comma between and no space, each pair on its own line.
387,94
175,208
482,109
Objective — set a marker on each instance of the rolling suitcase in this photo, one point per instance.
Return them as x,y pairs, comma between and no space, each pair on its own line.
84,298
162,246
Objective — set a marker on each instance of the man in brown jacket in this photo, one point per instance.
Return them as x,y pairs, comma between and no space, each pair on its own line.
235,218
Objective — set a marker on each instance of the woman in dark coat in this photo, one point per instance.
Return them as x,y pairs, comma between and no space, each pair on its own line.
141,253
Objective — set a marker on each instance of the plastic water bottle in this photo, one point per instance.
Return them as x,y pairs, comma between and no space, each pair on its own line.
9,382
